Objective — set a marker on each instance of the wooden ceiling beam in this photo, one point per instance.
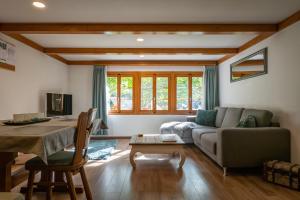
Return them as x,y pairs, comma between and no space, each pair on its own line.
35,46
289,21
89,28
280,26
247,45
207,51
145,62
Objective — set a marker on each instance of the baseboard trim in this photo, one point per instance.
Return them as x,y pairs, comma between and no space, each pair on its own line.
108,137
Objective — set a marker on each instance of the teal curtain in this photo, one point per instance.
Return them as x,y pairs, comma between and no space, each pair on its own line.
99,95
211,85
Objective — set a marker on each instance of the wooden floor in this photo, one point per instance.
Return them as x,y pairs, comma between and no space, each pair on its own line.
157,177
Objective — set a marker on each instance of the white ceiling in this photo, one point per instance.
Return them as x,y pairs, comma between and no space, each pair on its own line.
147,11
150,11
151,40
147,57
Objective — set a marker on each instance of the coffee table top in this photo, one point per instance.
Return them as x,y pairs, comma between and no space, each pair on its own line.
154,139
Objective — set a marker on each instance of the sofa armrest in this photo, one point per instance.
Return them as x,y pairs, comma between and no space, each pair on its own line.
191,118
250,147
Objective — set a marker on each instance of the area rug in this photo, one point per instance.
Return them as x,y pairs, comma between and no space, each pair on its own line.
101,149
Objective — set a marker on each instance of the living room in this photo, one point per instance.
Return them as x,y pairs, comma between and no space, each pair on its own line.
195,99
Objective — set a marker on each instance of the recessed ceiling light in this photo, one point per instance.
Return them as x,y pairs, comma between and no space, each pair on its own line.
140,39
142,56
38,4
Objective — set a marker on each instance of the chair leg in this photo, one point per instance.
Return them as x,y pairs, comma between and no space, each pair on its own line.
87,190
71,187
30,185
224,171
49,184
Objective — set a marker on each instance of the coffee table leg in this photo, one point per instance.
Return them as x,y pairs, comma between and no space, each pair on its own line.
131,157
182,159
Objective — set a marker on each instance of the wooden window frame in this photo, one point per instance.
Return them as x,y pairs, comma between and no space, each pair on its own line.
136,101
154,76
190,75
119,75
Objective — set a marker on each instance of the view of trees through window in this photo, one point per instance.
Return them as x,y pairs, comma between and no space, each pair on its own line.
126,93
155,92
146,93
197,93
182,93
189,92
112,93
162,93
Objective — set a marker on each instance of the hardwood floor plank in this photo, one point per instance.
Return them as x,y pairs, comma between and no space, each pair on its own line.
158,178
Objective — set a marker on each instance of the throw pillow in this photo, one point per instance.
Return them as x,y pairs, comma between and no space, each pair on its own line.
206,117
249,122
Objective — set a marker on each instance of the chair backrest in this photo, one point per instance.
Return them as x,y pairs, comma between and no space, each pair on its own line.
85,125
92,116
80,137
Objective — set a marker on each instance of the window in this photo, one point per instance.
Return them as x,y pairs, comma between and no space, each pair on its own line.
189,92
120,92
146,93
154,92
112,84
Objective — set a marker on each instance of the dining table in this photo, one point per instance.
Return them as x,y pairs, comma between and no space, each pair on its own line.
41,139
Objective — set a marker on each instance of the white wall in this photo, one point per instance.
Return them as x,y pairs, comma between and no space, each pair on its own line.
81,78
81,87
36,73
279,90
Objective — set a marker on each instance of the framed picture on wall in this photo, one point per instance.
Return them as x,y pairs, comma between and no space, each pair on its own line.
7,55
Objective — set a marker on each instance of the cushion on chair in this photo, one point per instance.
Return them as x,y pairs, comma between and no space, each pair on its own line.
209,142
11,196
60,158
206,117
263,117
232,117
220,116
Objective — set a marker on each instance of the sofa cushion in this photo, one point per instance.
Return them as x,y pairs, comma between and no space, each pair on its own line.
167,128
206,117
220,116
263,117
249,122
182,129
197,132
232,117
209,142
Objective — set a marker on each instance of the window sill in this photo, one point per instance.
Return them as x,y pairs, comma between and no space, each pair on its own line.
150,113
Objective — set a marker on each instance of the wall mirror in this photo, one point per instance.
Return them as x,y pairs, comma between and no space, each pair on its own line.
250,66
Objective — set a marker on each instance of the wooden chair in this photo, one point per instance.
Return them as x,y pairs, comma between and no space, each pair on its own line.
66,162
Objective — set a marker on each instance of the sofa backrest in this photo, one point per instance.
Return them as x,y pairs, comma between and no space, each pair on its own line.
232,117
263,117
220,116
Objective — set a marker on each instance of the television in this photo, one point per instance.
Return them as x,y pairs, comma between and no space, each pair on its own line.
58,104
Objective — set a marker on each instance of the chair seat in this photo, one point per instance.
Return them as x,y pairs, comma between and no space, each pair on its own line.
61,158
11,196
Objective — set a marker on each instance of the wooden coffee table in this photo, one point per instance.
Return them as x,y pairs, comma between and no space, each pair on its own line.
153,144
